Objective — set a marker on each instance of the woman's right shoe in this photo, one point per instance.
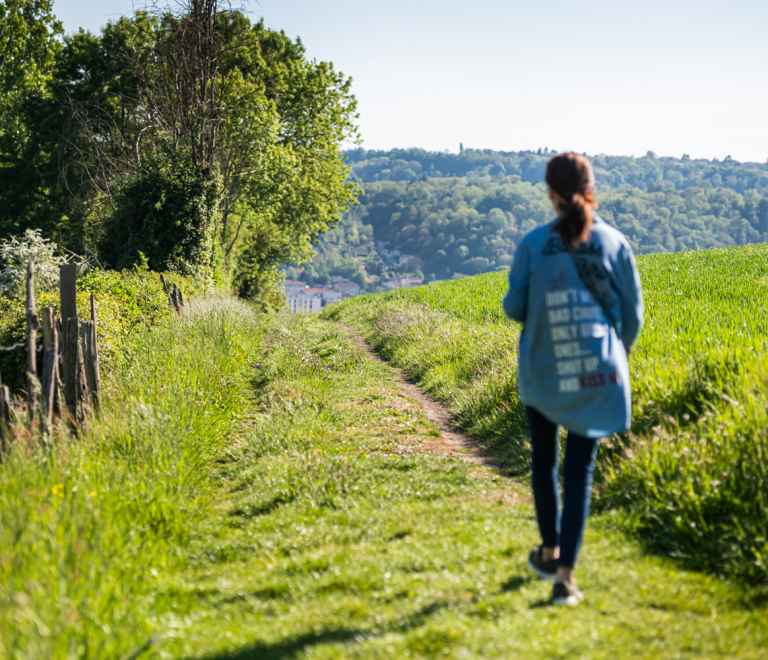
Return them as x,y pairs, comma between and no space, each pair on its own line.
566,594
546,570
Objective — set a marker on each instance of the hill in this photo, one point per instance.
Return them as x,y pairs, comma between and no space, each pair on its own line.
464,214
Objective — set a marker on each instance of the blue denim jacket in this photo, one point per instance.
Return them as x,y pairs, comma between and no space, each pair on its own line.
572,364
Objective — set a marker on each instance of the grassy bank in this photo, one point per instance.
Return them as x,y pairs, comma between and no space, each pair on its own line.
126,303
89,528
691,477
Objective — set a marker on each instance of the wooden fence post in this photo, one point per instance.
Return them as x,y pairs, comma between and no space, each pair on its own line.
68,294
50,377
89,357
175,298
68,297
70,366
167,293
181,298
81,387
57,392
5,418
33,326
97,362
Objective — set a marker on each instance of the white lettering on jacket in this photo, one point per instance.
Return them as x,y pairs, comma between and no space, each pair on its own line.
569,385
569,367
593,313
559,315
564,332
569,350
591,363
593,330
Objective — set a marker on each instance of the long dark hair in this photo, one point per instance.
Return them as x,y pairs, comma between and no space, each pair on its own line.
570,177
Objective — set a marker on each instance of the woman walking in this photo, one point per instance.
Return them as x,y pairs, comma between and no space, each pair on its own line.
575,288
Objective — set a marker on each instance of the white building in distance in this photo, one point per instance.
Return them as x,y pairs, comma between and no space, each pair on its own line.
303,303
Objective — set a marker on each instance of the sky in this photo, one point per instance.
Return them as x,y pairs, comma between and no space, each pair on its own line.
620,77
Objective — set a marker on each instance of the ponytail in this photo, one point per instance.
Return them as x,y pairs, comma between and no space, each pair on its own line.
571,180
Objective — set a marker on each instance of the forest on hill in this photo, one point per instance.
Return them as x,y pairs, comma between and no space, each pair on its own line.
649,172
464,214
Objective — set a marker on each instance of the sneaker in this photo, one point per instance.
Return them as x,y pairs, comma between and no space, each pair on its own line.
566,594
546,570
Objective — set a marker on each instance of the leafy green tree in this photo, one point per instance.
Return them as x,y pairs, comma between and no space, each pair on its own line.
317,113
235,97
29,46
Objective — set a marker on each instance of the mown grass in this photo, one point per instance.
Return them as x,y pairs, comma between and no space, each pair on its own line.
335,536
691,478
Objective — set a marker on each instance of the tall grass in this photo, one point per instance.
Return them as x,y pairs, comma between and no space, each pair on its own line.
89,528
691,476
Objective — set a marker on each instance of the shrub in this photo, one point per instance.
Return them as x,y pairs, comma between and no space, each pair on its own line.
125,302
16,253
168,211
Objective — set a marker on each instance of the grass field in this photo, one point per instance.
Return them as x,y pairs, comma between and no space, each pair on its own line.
257,490
691,478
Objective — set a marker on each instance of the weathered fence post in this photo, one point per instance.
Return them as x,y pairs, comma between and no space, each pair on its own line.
57,392
167,293
87,332
5,417
176,304
33,325
50,377
96,389
68,297
70,366
81,386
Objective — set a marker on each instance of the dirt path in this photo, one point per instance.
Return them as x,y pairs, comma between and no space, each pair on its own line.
451,442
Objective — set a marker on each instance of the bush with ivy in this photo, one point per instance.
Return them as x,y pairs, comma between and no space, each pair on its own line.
167,210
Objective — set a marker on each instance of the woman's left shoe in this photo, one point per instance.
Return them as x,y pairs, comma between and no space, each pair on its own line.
566,594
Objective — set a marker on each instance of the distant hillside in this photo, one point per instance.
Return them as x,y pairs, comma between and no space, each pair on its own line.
648,172
465,213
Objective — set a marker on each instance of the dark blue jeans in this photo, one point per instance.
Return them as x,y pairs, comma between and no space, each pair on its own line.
566,530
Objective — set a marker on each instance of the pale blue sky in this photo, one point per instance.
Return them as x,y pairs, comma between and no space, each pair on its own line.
603,76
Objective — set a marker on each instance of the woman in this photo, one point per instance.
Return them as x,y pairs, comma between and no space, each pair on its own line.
575,288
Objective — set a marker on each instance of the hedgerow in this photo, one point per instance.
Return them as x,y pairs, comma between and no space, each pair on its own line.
125,302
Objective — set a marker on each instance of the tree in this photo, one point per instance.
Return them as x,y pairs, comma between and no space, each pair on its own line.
238,101
29,46
167,212
317,113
